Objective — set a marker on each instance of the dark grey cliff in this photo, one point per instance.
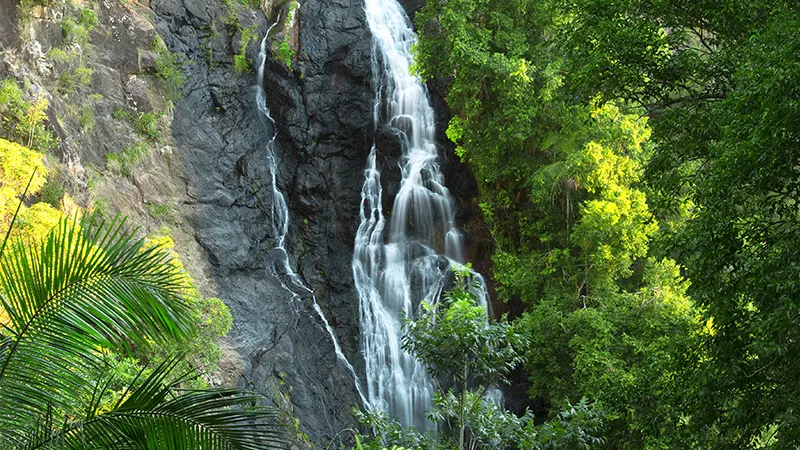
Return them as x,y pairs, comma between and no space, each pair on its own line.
412,6
323,108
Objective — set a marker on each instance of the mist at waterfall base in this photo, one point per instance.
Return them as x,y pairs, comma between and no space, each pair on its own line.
279,218
407,259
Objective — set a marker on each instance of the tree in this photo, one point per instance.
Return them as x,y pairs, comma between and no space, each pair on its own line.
89,288
560,168
466,355
720,80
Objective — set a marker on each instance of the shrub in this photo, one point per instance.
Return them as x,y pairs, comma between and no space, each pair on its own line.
168,70
285,53
22,121
160,213
124,163
78,29
87,19
84,75
68,81
52,192
86,119
123,114
241,63
147,125
101,208
60,56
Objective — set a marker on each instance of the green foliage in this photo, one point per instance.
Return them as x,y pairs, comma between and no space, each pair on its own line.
285,53
576,427
70,80
23,120
460,348
457,342
87,18
125,163
101,208
84,75
42,349
60,56
488,425
384,432
71,31
67,82
232,20
146,124
123,114
463,350
548,101
87,119
560,175
77,29
740,246
210,317
53,191
241,63
721,90
168,70
160,213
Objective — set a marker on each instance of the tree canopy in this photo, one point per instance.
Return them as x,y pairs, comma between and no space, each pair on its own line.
637,163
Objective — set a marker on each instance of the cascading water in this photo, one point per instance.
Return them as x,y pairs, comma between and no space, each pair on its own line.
281,267
393,273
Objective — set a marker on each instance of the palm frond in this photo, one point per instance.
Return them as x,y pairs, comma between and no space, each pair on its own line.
157,416
87,286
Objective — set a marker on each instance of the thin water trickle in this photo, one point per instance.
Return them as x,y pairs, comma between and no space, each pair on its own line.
281,268
410,258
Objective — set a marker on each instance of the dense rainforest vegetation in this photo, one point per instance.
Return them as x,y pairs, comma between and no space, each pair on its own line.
638,171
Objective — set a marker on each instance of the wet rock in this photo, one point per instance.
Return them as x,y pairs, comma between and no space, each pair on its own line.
412,6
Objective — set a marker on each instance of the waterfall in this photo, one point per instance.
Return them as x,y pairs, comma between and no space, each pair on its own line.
281,268
410,261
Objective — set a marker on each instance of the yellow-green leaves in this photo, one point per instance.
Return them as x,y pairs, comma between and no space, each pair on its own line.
17,164
23,121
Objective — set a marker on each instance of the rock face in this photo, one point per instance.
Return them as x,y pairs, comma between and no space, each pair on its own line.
323,110
412,6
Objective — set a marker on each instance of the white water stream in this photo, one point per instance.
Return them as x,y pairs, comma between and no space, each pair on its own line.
397,267
281,268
